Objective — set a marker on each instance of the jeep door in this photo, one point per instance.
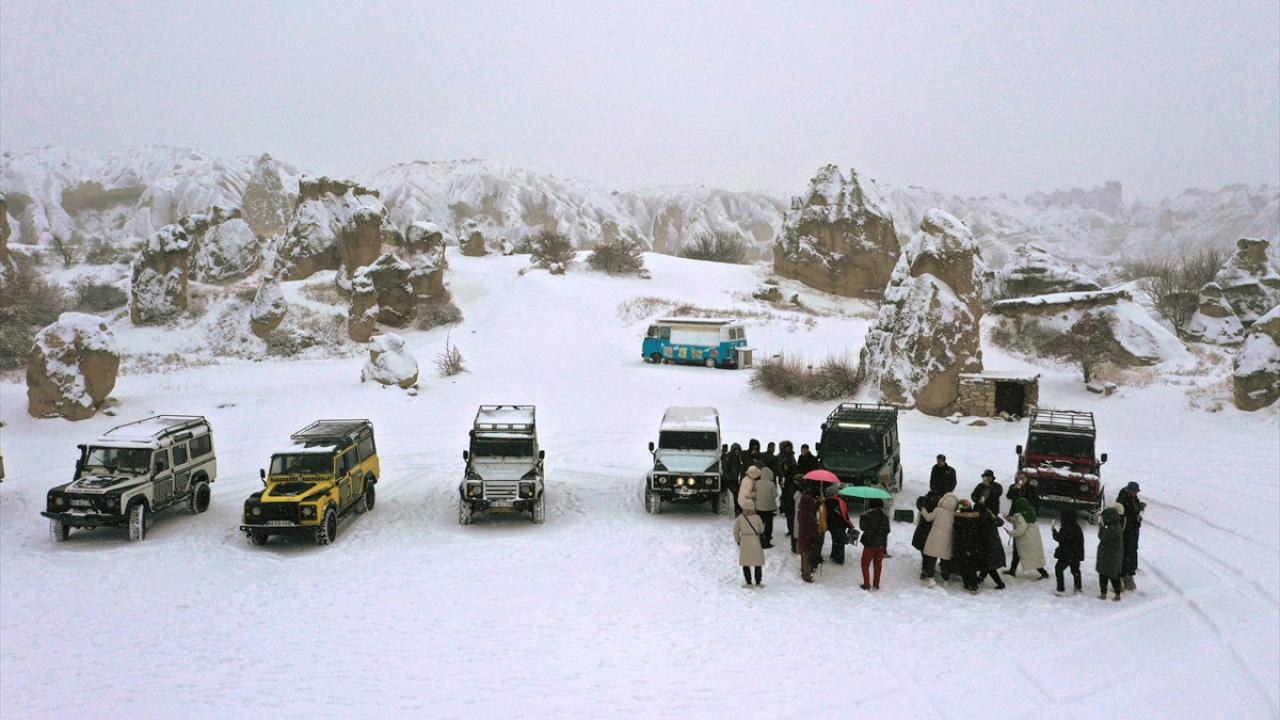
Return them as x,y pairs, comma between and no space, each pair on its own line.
161,479
181,470
347,466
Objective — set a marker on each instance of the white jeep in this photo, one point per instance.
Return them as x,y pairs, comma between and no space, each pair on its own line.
133,472
504,470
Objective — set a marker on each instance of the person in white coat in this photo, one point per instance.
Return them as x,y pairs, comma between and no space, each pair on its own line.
747,488
748,532
938,545
1026,536
766,502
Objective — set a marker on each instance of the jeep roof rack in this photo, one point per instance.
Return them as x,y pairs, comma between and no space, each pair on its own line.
152,429
505,418
1068,421
872,414
331,432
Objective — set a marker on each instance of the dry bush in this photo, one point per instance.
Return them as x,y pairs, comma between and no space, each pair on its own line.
29,303
64,249
323,292
551,249
98,297
618,257
719,247
435,313
100,251
792,377
1174,283
449,362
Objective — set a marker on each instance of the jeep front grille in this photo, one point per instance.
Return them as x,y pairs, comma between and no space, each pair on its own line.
280,511
501,490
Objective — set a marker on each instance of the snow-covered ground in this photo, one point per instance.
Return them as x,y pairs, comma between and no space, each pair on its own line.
604,610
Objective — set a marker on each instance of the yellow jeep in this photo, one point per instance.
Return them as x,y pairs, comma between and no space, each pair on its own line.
331,470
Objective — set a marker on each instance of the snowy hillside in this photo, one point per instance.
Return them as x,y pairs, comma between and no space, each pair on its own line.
605,606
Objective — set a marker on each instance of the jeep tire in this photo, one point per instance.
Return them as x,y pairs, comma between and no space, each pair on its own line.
138,521
652,502
720,503
540,510
367,501
199,500
258,536
59,530
327,531
464,513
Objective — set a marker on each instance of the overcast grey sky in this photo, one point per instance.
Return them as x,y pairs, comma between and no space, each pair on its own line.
970,98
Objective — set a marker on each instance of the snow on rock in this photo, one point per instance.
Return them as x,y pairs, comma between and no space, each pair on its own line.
381,292
1214,321
1256,368
1039,324
389,363
267,203
1249,280
336,225
268,310
927,332
674,218
838,237
6,262
1032,270
72,367
224,247
423,246
158,280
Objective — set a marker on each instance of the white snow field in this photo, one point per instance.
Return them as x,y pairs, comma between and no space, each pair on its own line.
605,611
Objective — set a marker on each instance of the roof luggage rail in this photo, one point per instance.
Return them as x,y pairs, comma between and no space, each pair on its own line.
331,432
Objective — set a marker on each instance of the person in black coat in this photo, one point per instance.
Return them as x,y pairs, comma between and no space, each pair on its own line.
968,550
988,492
770,458
1070,552
875,539
838,525
942,478
928,501
786,478
807,461
731,470
992,545
1133,507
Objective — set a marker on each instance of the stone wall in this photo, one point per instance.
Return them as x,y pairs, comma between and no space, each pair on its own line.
976,394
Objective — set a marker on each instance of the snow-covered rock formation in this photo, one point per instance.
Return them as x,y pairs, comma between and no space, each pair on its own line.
6,231
268,309
422,244
1249,280
927,332
1256,368
223,246
336,225
838,237
389,363
381,292
1214,320
267,203
158,280
72,367
1032,270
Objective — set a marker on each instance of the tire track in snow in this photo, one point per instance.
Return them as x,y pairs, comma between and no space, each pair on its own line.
1237,575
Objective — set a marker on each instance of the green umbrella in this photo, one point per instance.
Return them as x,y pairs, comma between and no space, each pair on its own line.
865,491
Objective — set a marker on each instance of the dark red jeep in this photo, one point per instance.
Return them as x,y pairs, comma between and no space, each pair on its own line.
1059,461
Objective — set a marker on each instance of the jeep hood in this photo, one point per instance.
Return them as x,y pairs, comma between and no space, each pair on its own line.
289,489
684,461
104,483
502,470
850,464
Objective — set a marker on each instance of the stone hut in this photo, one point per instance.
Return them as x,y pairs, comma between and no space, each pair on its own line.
987,394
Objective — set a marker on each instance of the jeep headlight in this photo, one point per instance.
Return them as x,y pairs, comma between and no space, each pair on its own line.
474,489
680,481
308,511
60,501
526,489
1084,488
661,480
709,481
256,511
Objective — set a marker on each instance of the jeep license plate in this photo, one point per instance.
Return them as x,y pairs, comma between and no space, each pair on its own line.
279,523
502,503
80,503
684,491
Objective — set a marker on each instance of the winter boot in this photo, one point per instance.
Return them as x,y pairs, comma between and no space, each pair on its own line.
1044,574
1129,585
1103,595
930,582
1116,598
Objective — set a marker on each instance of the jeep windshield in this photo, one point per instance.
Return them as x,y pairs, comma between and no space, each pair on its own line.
688,440
482,446
135,460
1060,444
853,443
302,464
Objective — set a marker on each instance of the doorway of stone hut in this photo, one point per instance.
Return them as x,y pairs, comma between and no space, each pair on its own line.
1011,397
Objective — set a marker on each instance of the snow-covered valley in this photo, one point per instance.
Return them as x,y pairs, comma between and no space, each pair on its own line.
605,608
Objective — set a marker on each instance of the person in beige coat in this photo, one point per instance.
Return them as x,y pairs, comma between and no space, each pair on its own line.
766,502
748,533
1026,536
747,488
938,545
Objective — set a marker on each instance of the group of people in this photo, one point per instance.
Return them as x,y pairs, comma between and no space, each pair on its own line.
955,536
767,481
961,536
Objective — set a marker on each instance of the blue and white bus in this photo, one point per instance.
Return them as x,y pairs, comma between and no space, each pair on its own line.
696,341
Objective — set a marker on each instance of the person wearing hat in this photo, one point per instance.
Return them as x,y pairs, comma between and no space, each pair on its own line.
748,529
747,488
942,477
766,498
1131,508
1026,537
987,492
875,539
807,536
1110,557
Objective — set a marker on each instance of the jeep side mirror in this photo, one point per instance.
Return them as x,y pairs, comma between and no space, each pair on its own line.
466,455
262,474
651,446
542,454
1104,457
1018,450
817,448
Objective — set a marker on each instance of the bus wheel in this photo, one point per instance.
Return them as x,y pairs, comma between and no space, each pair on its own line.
655,358
710,362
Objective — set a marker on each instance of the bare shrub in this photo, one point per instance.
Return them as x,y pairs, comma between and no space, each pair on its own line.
1088,344
99,251
1174,283
449,362
323,292
97,297
551,250
621,256
29,304
434,314
64,249
719,247
791,377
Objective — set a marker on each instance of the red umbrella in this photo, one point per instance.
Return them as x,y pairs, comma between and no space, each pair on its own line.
822,476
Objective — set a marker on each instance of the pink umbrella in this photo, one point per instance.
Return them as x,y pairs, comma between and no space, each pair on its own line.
822,476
